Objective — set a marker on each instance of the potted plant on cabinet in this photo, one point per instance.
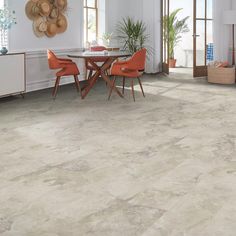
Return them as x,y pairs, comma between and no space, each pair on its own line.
175,28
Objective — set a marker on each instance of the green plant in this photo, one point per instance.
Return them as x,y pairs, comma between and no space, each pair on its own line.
106,37
173,30
132,34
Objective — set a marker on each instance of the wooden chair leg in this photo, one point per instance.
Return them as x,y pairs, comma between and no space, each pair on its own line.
107,74
141,86
57,83
113,85
123,87
132,85
77,84
90,74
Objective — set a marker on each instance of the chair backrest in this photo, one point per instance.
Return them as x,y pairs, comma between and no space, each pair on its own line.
98,48
53,61
139,59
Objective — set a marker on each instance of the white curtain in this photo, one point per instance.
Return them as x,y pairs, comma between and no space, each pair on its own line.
222,33
152,18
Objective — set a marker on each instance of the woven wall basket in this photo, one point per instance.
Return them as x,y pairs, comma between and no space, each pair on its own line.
48,16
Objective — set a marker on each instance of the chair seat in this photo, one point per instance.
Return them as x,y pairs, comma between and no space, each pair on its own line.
119,70
70,69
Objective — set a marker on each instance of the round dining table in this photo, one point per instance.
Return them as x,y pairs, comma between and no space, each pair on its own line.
100,69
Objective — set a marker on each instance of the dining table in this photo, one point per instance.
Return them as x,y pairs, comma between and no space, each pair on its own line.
100,68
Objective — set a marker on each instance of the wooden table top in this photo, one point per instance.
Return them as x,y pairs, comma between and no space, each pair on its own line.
112,54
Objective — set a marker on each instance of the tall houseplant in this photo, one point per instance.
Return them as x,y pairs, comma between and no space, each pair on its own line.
175,28
132,34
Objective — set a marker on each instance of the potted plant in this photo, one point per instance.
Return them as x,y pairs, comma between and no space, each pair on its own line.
173,32
132,34
7,19
106,38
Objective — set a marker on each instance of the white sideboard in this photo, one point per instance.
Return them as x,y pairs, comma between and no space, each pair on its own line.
12,74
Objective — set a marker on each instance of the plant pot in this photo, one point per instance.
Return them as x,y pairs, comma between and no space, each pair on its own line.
3,51
172,63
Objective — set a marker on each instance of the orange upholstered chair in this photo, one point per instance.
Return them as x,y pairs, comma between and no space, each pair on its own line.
132,68
98,59
68,68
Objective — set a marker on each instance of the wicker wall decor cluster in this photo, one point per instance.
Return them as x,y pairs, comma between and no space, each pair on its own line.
48,16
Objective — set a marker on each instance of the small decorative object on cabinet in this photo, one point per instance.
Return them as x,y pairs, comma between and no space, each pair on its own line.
4,51
12,77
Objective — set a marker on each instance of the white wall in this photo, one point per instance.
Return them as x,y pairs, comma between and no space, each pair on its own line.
116,10
23,38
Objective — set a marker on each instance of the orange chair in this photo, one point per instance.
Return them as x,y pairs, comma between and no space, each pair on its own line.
132,68
98,59
68,68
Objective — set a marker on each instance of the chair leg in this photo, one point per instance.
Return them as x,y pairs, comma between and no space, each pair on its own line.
113,85
132,85
107,74
141,86
123,87
90,74
77,84
57,83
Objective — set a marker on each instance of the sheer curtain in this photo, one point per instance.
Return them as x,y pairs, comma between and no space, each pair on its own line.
152,18
221,33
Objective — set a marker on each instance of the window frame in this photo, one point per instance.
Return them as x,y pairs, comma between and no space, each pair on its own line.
87,8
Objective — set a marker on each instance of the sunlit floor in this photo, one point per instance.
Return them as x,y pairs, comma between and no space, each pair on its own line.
162,166
183,72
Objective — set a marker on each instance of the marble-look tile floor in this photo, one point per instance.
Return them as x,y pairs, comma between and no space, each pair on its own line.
163,166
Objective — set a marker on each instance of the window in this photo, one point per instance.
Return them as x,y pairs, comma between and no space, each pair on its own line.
90,21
